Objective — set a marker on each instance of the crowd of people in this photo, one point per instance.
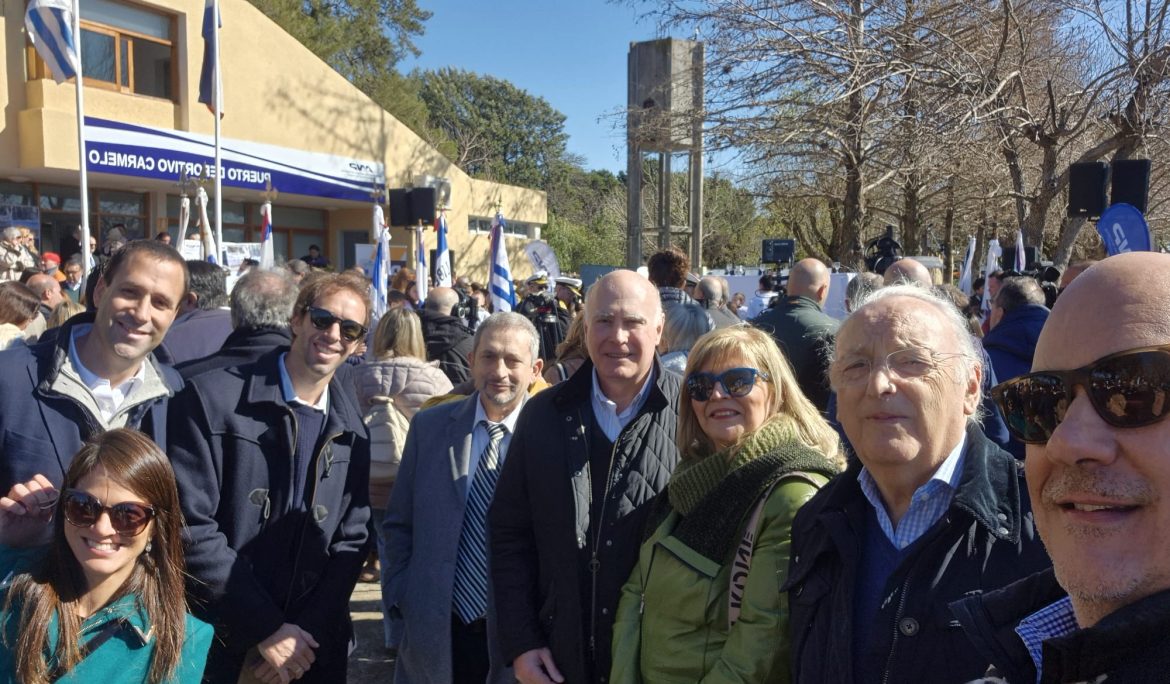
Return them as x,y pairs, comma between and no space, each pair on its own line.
647,481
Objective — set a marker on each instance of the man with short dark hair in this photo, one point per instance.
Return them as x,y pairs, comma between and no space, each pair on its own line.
203,323
587,457
803,330
763,297
98,372
1017,317
261,305
71,286
436,523
315,258
447,338
1093,411
272,462
668,271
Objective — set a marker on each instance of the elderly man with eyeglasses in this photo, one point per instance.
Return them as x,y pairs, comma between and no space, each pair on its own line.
927,511
1092,414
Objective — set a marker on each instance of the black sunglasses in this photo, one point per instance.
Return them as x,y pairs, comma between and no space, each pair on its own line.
351,331
1128,389
83,510
736,382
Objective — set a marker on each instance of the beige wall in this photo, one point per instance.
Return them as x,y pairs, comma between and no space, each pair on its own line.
275,92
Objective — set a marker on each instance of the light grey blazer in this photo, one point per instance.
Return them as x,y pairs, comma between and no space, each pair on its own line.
423,523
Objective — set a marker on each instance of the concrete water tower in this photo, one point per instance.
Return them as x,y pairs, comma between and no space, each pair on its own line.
664,122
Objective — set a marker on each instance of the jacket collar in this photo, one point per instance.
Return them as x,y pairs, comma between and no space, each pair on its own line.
989,488
51,356
262,386
802,302
578,388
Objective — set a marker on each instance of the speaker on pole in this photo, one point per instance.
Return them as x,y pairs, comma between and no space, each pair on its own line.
1131,183
422,205
399,201
1086,189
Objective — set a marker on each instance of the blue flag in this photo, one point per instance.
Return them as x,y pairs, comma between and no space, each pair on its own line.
442,254
50,28
503,292
207,75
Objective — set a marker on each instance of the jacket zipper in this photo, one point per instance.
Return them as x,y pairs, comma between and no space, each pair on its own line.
897,621
594,562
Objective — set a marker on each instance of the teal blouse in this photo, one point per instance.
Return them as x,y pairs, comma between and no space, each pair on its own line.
125,657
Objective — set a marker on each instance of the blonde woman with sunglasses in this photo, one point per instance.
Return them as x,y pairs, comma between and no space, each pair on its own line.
703,602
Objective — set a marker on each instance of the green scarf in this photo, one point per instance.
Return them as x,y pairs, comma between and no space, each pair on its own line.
694,479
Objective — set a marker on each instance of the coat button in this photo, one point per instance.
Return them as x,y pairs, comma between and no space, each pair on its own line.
1002,516
908,626
605,611
568,419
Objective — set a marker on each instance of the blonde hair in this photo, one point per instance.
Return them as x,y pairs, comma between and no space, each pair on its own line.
399,333
787,403
62,312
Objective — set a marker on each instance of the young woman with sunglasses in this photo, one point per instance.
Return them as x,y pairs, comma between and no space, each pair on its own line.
704,602
103,600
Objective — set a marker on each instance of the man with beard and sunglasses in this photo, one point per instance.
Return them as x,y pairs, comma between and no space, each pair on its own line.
272,462
1098,468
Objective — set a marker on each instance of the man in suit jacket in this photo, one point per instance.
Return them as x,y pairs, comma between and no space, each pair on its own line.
436,589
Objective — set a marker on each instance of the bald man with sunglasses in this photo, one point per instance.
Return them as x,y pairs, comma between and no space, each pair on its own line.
273,462
1098,468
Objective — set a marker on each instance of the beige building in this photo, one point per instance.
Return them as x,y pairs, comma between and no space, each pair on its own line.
289,120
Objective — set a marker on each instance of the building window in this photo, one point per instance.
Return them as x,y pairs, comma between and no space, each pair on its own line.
478,224
124,47
295,229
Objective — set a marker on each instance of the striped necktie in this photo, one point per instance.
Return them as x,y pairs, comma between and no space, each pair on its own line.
470,595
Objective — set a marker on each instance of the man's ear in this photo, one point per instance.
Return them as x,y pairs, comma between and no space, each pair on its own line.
190,302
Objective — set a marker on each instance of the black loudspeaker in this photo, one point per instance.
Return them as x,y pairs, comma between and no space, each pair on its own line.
399,208
1086,188
1131,183
1007,260
422,205
778,251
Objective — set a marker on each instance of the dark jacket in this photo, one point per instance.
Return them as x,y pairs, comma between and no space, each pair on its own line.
40,428
194,335
541,537
985,540
1012,343
1129,646
721,317
449,342
244,345
258,559
805,334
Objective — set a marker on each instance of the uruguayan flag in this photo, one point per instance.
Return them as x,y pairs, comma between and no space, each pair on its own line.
50,28
381,272
207,74
503,292
267,256
442,254
420,264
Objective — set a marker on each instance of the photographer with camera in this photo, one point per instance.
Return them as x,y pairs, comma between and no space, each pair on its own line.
543,309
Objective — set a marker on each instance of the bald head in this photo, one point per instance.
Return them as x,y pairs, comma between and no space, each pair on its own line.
907,271
1117,304
46,288
441,300
1073,270
624,284
809,278
710,290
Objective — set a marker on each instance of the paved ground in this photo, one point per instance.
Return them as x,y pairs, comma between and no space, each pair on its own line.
369,664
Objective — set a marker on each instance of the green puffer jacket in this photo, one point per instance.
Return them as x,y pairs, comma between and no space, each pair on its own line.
672,622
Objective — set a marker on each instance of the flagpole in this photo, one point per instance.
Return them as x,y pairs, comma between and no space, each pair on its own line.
86,257
218,161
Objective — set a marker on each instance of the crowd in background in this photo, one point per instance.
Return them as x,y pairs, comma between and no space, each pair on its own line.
651,480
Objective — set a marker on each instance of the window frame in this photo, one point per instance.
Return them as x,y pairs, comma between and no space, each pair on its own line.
36,68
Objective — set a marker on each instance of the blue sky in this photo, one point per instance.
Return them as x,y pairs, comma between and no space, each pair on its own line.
570,52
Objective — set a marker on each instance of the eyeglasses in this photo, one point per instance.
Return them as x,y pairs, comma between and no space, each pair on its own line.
736,382
912,362
1128,390
83,510
351,331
